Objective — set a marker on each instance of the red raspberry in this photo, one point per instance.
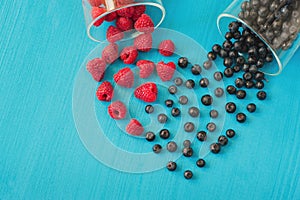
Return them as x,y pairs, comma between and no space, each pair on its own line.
165,71
117,110
124,77
97,68
144,24
111,17
138,11
96,3
129,55
114,34
146,92
134,127
96,12
124,23
110,53
126,12
146,68
143,42
166,48
105,91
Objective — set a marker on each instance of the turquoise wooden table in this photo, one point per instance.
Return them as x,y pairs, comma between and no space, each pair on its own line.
42,46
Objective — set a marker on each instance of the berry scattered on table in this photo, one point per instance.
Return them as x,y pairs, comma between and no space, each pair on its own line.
157,148
188,174
97,68
150,136
110,53
165,71
146,68
124,77
117,110
134,127
149,109
129,55
105,91
200,163
183,62
146,92
166,48
171,166
143,42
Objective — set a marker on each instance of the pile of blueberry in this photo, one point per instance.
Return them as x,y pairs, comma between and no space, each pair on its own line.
242,53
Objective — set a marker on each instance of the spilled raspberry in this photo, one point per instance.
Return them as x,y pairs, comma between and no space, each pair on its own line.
146,68
134,127
166,48
124,77
105,91
97,68
129,55
117,110
110,53
143,42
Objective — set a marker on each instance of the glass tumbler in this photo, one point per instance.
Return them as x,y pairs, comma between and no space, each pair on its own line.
275,22
101,14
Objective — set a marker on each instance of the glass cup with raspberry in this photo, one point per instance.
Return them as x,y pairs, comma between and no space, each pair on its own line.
116,20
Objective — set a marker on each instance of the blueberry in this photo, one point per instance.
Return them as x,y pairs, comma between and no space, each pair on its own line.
150,136
183,62
162,118
201,135
171,166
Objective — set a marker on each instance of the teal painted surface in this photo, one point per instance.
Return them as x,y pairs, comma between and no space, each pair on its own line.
42,46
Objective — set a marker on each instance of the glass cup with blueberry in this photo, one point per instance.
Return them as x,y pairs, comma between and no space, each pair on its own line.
119,19
263,30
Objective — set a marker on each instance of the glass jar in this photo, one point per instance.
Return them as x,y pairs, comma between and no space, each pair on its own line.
100,14
275,22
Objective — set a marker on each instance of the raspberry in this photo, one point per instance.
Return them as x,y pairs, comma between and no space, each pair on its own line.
146,68
117,110
97,3
96,12
166,48
124,77
143,42
126,12
110,53
97,68
146,92
134,127
105,91
124,23
138,11
111,17
129,55
114,34
144,24
165,71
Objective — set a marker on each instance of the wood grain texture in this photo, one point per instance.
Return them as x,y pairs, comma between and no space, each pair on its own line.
42,45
